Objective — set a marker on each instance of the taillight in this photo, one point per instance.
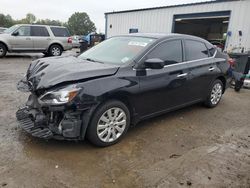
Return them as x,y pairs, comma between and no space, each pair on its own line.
231,62
242,79
69,40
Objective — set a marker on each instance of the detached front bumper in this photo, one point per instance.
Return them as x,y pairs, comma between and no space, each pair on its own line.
56,124
26,123
62,122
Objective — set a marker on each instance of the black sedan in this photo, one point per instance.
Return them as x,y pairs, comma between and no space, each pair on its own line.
118,83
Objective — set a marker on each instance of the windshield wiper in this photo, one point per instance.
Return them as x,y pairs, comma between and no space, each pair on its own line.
92,60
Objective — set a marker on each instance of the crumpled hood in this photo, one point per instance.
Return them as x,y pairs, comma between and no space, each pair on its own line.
47,72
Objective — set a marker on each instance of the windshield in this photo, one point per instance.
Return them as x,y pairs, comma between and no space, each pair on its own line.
11,29
117,50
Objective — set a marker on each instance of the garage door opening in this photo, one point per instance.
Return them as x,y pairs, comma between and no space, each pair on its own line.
210,26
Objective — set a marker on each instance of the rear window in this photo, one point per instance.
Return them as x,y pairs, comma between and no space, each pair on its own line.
195,50
60,32
39,31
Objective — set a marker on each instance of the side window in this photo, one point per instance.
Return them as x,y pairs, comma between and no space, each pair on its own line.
170,52
211,51
60,32
23,31
195,50
39,31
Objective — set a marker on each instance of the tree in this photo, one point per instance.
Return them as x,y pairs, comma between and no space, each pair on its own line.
80,24
6,21
49,22
30,18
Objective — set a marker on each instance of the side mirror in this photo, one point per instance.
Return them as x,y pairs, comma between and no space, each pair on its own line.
154,63
16,33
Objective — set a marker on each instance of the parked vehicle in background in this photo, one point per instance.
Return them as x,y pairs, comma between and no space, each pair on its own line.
50,40
247,81
2,29
96,39
75,41
219,44
119,82
240,69
93,38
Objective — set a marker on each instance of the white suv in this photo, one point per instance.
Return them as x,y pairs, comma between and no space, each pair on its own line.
51,40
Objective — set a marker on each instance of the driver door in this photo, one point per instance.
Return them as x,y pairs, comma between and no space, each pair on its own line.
21,40
164,89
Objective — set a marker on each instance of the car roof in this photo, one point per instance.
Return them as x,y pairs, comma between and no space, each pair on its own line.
165,36
40,25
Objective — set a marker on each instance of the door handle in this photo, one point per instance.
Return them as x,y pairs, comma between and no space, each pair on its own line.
28,38
48,39
182,75
211,68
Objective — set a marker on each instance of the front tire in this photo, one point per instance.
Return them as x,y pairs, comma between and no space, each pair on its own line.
3,50
55,50
109,124
215,94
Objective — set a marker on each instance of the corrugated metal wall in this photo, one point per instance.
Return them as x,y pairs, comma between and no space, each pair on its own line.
161,20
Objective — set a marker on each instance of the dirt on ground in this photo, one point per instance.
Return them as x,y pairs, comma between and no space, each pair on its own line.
192,147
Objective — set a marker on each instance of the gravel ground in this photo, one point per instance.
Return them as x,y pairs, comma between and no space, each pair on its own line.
192,147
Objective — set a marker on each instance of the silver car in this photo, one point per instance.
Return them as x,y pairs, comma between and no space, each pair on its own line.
2,29
51,40
75,41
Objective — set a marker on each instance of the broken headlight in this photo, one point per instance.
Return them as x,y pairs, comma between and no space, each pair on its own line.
60,96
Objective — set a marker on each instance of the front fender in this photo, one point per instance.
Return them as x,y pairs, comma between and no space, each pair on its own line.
96,92
5,43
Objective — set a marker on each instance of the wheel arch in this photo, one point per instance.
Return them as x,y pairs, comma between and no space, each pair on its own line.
124,98
223,80
119,96
55,43
7,48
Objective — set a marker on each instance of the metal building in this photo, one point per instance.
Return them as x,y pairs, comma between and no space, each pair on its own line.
226,22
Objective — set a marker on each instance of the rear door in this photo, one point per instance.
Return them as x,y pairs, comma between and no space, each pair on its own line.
40,37
22,40
201,68
62,34
164,89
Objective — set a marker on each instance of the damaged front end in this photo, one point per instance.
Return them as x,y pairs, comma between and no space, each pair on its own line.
50,114
49,121
56,107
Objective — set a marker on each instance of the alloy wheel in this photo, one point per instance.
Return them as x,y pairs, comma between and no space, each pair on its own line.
216,94
1,51
55,51
111,124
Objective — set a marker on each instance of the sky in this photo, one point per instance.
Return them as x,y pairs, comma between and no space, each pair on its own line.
62,10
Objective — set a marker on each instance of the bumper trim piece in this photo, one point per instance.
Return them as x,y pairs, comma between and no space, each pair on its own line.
28,125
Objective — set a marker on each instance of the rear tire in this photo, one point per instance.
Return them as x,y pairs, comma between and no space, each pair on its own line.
55,50
109,124
238,86
3,50
215,94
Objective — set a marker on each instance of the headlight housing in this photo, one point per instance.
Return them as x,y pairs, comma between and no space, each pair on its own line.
58,97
